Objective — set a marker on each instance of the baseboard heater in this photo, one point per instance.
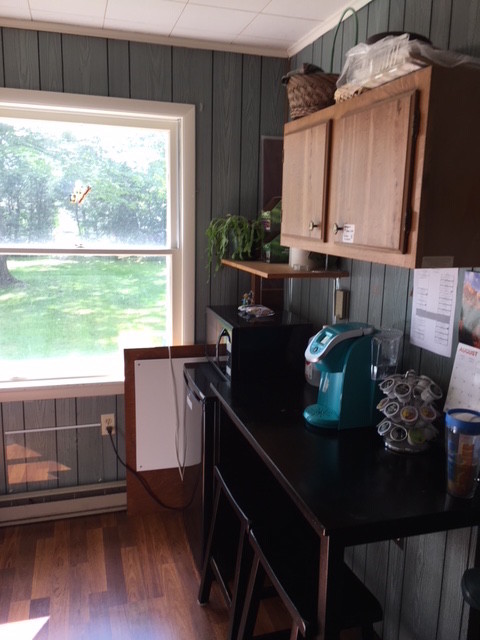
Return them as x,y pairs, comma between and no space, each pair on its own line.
66,502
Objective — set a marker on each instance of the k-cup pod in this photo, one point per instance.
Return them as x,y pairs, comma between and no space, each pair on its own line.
431,393
397,433
387,386
417,396
416,437
383,403
410,377
392,410
423,382
384,427
403,392
426,414
409,415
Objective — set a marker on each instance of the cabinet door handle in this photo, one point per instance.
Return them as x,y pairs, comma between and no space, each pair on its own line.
336,228
312,225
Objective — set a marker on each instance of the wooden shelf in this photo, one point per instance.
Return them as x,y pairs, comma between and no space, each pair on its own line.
275,271
267,278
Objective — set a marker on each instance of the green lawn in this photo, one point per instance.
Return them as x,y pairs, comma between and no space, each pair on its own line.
81,305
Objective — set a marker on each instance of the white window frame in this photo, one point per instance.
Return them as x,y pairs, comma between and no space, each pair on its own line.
99,109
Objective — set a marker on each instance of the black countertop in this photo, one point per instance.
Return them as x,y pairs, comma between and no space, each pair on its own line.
345,482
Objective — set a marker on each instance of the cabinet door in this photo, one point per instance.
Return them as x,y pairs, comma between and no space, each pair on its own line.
305,156
372,158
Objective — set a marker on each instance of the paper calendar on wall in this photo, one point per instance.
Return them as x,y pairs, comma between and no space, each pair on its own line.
464,389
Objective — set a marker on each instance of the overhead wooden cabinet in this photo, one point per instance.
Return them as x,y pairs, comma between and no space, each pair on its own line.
305,156
400,182
369,188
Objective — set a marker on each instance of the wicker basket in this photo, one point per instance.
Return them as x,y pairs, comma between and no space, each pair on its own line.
309,89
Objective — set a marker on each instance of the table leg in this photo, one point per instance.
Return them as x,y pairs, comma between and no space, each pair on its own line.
329,588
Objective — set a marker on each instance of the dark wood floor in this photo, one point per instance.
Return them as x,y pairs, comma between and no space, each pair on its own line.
105,577
109,577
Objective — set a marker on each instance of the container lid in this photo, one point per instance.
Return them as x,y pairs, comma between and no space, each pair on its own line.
465,420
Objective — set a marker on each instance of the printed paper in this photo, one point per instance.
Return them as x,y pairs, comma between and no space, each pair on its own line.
433,310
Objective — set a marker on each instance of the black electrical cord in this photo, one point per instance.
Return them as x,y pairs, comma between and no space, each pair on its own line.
145,484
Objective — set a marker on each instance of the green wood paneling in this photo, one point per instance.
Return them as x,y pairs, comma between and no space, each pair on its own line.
378,11
411,354
85,65
96,459
305,55
376,293
50,59
120,436
272,97
327,48
2,76
376,572
41,448
440,24
359,289
150,71
20,59
465,27
395,298
422,584
250,136
393,595
320,306
226,153
305,297
118,68
451,601
65,410
192,83
396,16
316,52
15,450
418,16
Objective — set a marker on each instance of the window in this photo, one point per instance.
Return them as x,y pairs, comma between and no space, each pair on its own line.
96,232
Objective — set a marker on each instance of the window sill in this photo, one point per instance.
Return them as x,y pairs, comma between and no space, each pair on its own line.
23,390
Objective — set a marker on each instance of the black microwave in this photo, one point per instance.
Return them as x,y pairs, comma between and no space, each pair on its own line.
247,348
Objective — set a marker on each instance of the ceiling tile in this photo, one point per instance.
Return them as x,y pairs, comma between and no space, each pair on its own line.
203,34
244,5
70,19
154,16
309,9
263,42
278,27
67,9
214,20
15,9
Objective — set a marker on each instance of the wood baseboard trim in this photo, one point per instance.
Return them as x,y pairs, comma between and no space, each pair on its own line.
57,509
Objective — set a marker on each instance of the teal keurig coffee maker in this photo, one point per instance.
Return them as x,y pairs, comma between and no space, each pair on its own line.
346,393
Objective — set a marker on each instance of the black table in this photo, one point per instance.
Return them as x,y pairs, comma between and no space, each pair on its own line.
345,484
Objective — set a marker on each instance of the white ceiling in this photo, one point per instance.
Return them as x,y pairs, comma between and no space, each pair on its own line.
273,27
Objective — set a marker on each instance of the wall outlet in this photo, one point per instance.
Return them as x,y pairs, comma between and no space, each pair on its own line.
107,420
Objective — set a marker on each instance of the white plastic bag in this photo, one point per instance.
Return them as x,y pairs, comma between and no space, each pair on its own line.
369,65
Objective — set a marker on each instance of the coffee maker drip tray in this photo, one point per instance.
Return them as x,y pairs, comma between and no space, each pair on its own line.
318,415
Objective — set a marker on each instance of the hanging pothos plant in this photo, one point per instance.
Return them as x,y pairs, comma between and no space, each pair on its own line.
235,237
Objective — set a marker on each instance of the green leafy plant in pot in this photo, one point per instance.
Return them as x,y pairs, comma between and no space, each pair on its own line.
235,237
